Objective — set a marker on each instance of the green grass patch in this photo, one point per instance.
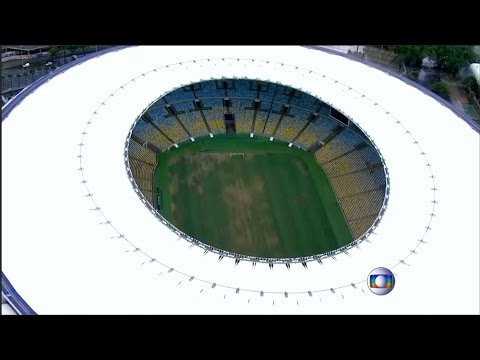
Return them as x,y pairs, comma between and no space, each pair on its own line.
274,201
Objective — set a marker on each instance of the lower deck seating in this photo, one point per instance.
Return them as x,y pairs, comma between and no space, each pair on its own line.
142,173
141,153
194,123
243,116
260,121
148,133
290,126
172,128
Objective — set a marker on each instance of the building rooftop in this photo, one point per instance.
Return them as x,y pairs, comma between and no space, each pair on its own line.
26,47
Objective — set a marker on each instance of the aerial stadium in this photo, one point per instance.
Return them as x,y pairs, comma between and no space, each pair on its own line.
158,180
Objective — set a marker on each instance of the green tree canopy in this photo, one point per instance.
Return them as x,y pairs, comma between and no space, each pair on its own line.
54,50
411,54
452,58
449,57
441,89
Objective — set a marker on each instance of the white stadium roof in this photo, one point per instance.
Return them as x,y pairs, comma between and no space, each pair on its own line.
70,237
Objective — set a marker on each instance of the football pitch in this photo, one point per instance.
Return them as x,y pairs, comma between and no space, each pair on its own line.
250,196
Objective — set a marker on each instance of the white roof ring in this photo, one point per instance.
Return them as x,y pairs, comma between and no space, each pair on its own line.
76,237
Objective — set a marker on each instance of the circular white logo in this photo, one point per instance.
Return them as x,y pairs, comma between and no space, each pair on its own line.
381,281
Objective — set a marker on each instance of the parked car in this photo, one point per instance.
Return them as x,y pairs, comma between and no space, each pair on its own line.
48,63
26,65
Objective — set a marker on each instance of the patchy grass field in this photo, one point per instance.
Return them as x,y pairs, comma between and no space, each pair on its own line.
274,201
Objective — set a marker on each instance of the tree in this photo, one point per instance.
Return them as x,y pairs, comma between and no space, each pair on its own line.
73,48
411,54
441,89
452,58
449,57
470,83
54,51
